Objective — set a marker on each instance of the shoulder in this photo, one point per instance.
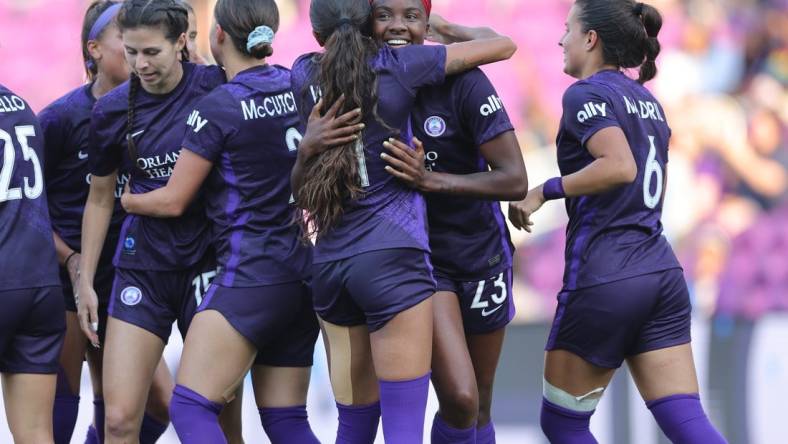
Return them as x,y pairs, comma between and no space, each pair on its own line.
303,65
78,99
115,100
207,77
219,99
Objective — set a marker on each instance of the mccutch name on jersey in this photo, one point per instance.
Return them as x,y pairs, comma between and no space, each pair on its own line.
273,106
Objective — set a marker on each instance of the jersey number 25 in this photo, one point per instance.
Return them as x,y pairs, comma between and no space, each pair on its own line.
7,192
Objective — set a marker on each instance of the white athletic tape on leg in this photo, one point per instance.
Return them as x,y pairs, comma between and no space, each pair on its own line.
584,403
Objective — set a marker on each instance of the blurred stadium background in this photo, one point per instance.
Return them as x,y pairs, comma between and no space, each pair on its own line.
722,81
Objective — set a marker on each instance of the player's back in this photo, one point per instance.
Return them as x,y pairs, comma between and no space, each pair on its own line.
616,234
27,252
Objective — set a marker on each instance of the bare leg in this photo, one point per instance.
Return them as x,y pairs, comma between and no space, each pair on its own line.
452,371
28,406
131,356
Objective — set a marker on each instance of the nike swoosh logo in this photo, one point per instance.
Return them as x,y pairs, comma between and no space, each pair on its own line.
81,155
486,313
137,134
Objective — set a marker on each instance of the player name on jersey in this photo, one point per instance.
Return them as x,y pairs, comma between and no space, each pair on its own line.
10,104
274,106
643,109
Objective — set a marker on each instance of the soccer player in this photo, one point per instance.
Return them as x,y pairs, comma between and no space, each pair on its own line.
624,296
241,141
32,321
162,266
473,160
191,35
372,270
65,126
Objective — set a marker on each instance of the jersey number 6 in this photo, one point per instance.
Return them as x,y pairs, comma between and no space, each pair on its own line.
652,168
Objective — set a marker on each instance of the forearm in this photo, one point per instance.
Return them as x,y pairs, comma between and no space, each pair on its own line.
458,33
488,185
601,175
95,224
62,250
156,203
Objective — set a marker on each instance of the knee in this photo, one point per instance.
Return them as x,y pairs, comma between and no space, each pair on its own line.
120,422
158,404
460,408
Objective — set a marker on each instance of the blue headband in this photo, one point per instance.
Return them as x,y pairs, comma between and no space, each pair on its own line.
261,35
103,21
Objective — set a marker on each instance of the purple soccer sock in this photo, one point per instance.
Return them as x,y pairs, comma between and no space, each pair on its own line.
65,410
196,419
486,434
92,436
287,425
682,419
358,424
151,430
98,420
443,433
402,406
564,426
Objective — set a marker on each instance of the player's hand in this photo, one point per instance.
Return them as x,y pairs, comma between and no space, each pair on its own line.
87,311
407,164
436,32
72,266
125,198
329,130
520,212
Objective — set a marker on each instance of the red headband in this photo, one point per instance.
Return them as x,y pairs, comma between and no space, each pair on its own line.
427,5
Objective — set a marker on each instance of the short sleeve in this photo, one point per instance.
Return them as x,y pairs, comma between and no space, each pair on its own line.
587,109
418,66
210,125
53,127
482,109
106,141
306,95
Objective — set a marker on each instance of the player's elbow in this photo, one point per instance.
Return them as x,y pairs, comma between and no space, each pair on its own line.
519,188
626,171
510,47
174,207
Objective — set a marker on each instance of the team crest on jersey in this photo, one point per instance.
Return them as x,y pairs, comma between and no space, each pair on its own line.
131,296
129,245
435,126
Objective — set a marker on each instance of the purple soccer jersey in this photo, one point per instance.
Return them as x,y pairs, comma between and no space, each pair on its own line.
248,128
148,243
66,124
28,251
389,214
617,234
468,237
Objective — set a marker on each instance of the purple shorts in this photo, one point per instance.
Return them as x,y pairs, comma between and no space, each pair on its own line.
153,300
32,327
371,287
607,323
277,319
486,304
103,286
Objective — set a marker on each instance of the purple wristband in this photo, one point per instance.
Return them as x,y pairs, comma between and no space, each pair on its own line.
553,189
